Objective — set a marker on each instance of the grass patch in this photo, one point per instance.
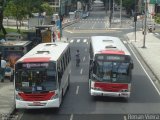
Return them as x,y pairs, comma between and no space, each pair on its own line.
9,30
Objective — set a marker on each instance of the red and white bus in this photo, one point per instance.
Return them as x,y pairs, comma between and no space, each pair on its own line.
42,76
110,67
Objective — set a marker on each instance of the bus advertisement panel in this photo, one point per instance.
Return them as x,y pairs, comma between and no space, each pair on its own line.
110,67
42,76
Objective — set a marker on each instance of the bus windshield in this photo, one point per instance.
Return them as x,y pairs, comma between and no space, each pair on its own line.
35,77
116,72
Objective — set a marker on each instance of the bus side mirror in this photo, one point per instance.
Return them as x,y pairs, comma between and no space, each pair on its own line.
132,66
91,61
59,74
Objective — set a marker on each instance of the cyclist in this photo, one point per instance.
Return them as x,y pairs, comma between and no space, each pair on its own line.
77,58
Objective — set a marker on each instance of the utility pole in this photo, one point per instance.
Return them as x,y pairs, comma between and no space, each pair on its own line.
145,24
110,13
2,4
121,12
113,10
135,19
60,18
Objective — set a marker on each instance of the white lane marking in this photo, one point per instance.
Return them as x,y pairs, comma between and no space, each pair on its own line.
81,71
125,42
20,115
71,117
125,118
69,31
93,25
85,40
84,58
71,41
77,90
145,70
78,40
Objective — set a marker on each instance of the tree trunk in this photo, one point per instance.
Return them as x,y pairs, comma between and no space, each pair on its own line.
1,23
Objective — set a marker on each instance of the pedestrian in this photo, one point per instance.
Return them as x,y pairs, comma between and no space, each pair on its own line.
54,36
154,27
8,71
77,58
2,69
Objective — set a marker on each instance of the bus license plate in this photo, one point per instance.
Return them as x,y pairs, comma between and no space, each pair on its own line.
36,103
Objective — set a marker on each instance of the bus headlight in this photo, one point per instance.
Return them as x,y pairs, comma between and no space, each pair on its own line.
55,96
124,90
96,88
18,97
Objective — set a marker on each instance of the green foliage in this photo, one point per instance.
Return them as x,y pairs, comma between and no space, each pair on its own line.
46,8
8,30
157,18
20,9
125,3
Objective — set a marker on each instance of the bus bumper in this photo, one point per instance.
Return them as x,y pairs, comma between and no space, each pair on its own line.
110,94
37,104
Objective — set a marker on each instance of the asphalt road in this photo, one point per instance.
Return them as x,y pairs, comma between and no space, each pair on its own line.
78,104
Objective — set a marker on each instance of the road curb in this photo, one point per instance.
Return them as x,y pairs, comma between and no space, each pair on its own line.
10,114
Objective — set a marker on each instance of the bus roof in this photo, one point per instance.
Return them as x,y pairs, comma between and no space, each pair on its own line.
45,52
108,44
15,43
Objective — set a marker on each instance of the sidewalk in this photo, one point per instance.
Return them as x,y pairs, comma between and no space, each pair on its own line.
150,54
6,99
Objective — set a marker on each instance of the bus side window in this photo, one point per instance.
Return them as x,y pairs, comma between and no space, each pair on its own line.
62,66
64,62
94,66
69,55
91,53
59,75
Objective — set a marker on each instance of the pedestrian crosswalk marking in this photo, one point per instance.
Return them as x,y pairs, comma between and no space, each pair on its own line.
71,41
78,40
84,40
125,42
84,58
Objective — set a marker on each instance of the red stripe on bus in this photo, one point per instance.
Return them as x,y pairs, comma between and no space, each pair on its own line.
37,59
111,87
112,52
36,96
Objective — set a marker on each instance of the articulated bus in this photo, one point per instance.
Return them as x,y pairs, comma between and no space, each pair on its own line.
110,67
42,76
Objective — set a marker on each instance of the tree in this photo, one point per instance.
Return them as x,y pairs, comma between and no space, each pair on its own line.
21,9
46,8
127,4
2,4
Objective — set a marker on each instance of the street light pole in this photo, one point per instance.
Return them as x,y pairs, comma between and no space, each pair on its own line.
135,19
113,11
60,15
110,13
145,23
